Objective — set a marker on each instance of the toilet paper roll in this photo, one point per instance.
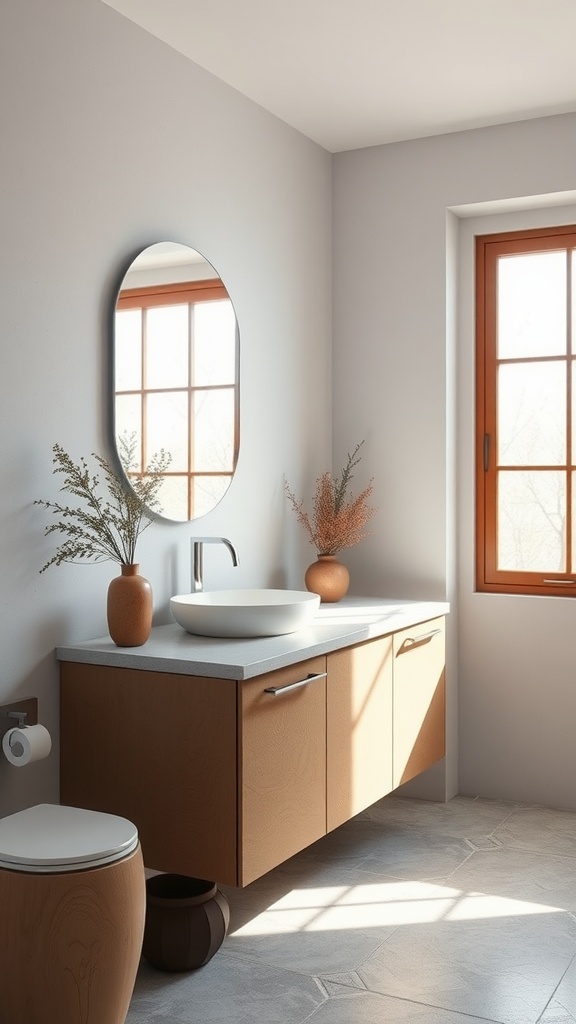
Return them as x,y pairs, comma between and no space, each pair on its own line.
24,745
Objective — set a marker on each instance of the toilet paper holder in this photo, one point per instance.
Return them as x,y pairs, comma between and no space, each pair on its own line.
20,713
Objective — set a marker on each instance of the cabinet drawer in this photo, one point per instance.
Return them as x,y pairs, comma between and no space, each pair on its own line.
282,765
418,699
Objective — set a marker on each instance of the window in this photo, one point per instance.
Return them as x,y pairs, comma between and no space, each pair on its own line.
176,388
526,412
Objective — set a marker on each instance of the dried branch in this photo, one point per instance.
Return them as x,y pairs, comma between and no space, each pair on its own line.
103,528
337,520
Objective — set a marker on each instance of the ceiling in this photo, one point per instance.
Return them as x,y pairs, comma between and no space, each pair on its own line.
362,73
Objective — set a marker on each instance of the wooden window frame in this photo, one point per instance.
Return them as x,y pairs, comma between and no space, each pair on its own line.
489,578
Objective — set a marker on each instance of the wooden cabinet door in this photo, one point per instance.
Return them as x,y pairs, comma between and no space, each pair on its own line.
359,728
282,765
419,699
160,750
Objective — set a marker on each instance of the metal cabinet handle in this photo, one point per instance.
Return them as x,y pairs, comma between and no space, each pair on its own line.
277,691
417,641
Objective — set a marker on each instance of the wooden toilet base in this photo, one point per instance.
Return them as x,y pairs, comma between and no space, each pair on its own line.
70,943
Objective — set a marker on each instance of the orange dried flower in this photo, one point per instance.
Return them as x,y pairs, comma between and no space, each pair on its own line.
337,520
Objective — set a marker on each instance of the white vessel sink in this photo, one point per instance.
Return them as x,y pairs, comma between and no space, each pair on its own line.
244,613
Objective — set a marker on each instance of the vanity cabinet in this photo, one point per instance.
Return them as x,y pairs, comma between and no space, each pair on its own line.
224,780
227,778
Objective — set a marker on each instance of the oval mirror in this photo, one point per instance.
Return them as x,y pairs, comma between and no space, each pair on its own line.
176,379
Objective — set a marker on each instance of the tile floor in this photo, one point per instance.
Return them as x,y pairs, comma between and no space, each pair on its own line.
413,912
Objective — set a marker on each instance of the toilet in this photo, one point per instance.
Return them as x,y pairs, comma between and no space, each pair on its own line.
72,909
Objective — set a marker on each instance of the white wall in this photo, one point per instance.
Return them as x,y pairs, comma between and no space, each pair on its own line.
111,141
397,341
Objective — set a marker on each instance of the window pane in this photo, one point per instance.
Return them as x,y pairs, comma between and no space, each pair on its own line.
128,426
531,521
213,440
573,397
128,350
167,347
167,427
531,305
214,343
173,497
532,414
207,492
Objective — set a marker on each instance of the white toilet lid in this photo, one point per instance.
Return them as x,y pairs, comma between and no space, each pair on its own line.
53,838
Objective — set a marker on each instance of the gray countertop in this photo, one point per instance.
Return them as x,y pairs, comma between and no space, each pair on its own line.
171,649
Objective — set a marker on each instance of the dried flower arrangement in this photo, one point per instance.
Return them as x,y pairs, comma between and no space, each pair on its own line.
338,520
108,527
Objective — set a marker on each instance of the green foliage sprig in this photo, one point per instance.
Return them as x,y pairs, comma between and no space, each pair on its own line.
337,520
104,528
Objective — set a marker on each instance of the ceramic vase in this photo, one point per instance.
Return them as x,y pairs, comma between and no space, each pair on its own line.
186,922
129,608
327,577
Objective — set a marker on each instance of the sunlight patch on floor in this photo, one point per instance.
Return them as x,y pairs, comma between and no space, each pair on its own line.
382,905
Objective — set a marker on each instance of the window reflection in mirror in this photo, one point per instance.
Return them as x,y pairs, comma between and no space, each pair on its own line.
176,377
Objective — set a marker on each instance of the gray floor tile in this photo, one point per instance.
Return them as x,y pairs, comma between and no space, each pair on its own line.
523,876
462,816
556,1014
541,830
328,921
503,968
338,984
368,1008
564,1001
405,851
225,991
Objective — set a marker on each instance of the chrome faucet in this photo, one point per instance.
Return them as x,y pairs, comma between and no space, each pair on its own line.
198,558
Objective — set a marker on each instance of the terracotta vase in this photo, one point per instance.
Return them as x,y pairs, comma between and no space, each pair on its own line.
129,608
327,577
186,922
